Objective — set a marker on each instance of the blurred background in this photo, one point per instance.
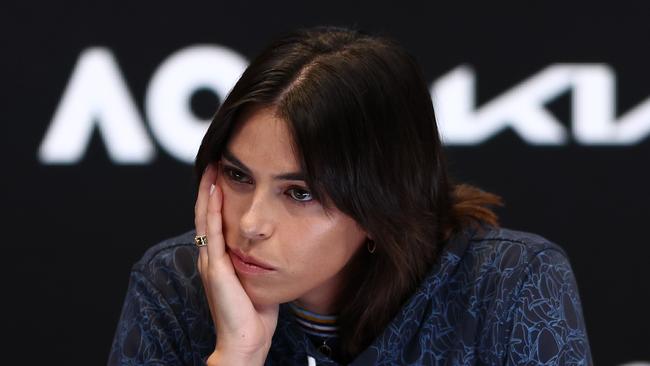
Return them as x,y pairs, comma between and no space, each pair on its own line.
104,104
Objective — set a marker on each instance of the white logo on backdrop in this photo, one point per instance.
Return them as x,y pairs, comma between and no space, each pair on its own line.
522,108
97,96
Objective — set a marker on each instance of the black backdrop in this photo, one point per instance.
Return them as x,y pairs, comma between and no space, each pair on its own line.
75,229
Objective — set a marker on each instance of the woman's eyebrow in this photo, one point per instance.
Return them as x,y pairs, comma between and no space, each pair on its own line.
235,161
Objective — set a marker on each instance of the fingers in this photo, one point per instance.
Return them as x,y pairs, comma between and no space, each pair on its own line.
216,244
207,221
200,213
200,208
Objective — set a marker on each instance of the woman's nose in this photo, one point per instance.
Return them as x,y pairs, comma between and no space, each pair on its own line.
257,221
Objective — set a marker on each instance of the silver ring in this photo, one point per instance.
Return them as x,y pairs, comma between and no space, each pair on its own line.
201,240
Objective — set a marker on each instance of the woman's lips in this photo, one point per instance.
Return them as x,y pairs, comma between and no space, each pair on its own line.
248,264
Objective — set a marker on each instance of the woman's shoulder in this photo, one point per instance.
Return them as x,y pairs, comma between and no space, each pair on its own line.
165,314
487,256
167,273
506,236
497,264
493,249
524,283
178,251
492,292
170,263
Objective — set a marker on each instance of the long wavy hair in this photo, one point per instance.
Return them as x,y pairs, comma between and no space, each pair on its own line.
365,134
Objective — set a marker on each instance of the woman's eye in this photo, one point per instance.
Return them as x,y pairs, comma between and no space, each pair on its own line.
237,176
299,195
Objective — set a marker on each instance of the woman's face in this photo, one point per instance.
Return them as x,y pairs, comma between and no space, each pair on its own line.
268,214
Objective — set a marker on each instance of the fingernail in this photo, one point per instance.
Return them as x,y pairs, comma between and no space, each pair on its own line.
211,189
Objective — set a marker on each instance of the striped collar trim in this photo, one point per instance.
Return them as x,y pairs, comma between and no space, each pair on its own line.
313,323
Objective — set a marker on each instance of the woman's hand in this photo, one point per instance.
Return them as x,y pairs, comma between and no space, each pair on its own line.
244,330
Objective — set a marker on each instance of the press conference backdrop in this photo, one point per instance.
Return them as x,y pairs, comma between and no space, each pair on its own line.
104,105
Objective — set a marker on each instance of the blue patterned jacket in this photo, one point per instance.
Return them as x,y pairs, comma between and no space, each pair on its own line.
495,297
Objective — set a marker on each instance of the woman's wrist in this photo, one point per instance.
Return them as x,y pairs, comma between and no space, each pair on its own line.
229,357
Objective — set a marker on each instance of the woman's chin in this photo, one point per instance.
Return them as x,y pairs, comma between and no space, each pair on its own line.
262,297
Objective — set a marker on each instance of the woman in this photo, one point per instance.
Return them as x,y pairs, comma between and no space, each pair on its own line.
327,232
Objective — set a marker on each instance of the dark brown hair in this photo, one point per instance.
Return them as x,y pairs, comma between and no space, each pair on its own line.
365,134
